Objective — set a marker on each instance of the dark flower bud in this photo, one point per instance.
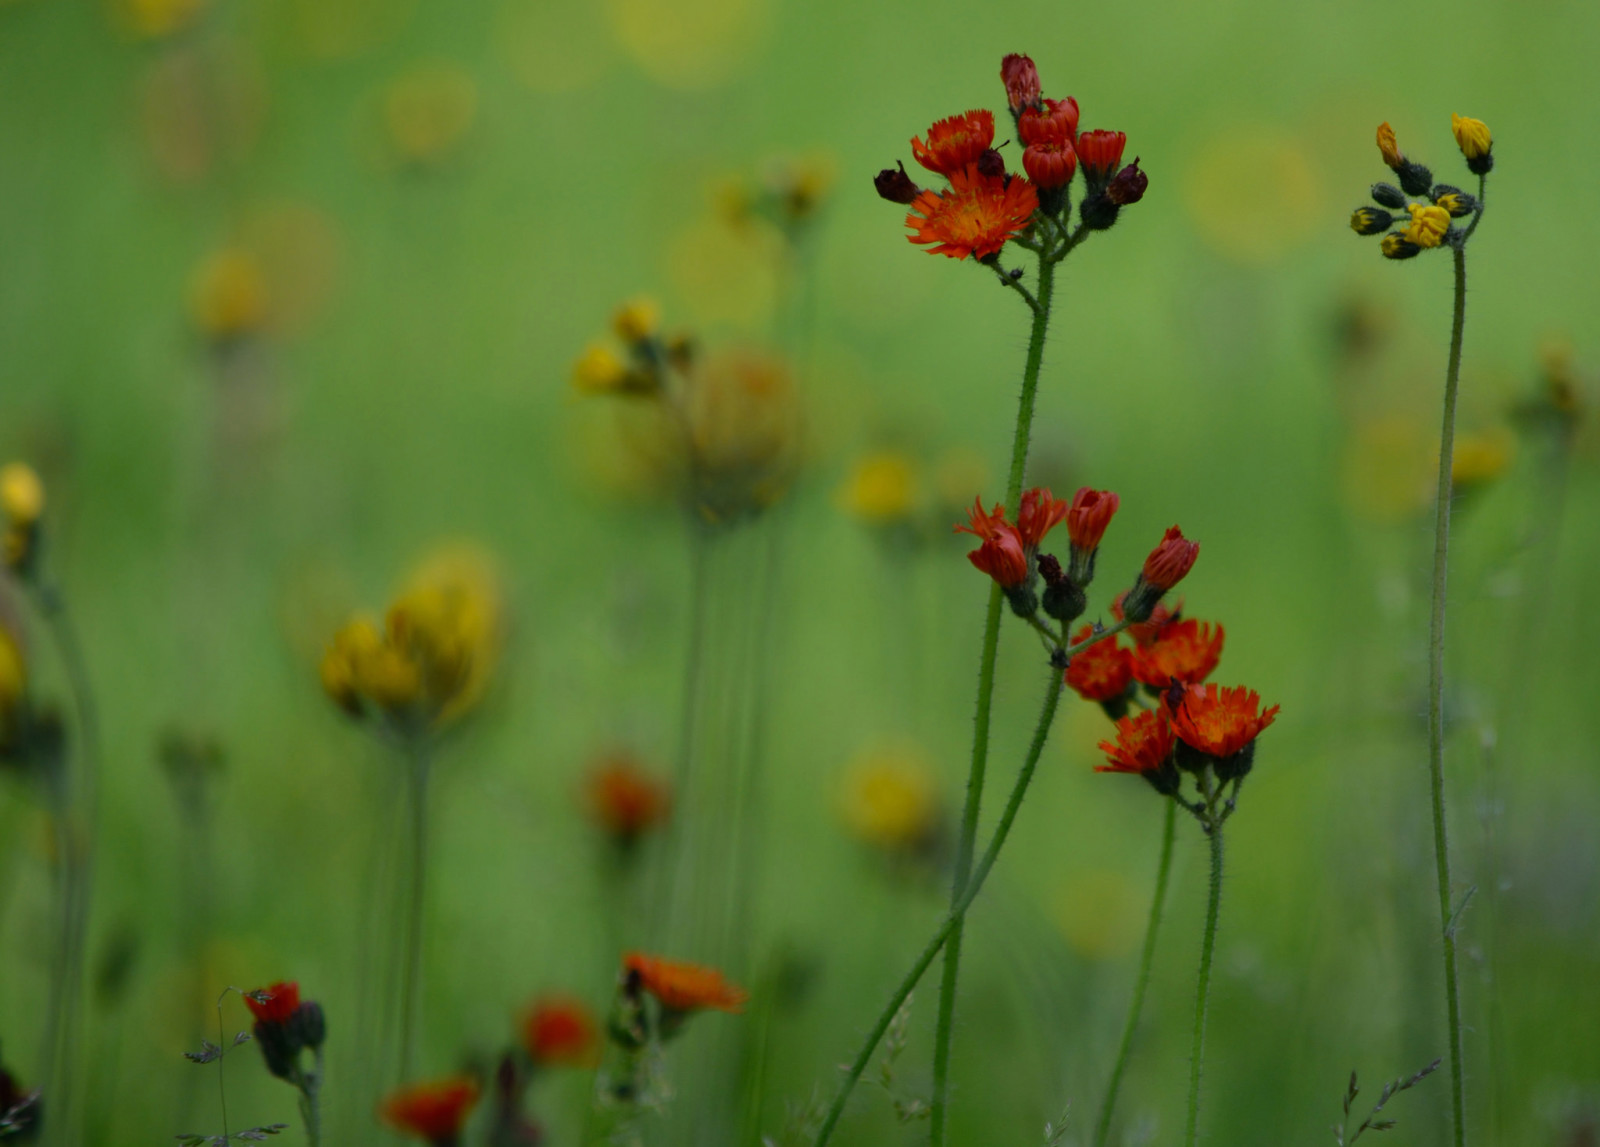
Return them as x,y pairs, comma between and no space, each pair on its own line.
1166,779
1388,195
1454,200
279,1049
991,163
1481,165
1237,766
1396,246
1063,598
1414,178
1128,185
1024,601
896,186
308,1027
1098,212
1370,221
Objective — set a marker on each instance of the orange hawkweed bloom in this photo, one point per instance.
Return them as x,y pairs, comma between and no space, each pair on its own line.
559,1031
976,216
1050,164
683,987
282,1000
1143,746
955,142
1089,516
1021,79
1171,560
1100,152
1221,724
1039,513
624,800
1002,555
1102,672
1056,121
1186,651
433,1111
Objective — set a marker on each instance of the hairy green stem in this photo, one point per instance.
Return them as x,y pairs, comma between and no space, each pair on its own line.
1441,556
980,729
1207,947
952,920
1136,1005
416,894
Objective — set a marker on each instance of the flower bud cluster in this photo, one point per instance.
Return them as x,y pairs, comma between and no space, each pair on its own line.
1417,215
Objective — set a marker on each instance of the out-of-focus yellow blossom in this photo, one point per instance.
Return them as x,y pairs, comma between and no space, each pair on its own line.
228,294
1472,136
1275,225
428,111
743,434
881,488
800,185
691,44
155,19
21,494
1428,225
437,650
13,689
1479,459
889,800
637,320
600,370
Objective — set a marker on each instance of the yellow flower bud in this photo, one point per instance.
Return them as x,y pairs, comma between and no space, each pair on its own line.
1388,146
889,800
1479,459
1472,136
637,320
1428,225
21,494
1397,246
881,489
600,371
228,295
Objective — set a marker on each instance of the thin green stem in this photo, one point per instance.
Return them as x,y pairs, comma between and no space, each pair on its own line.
980,730
1136,1005
1441,555
952,920
416,890
1207,948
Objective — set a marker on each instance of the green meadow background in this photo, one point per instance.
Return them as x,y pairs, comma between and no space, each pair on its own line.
1229,357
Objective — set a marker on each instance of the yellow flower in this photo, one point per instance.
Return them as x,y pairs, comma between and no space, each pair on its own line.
21,494
743,437
637,320
228,294
1388,145
1428,225
428,111
599,370
1478,459
1472,136
880,489
889,799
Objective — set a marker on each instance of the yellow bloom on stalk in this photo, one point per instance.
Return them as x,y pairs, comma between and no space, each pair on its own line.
881,489
436,652
743,435
1479,459
889,800
1428,225
600,370
13,684
228,294
1472,136
21,494
637,320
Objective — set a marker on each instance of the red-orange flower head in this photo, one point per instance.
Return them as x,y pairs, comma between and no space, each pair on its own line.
626,801
1039,513
1185,651
1051,164
1143,746
1102,672
278,1005
559,1031
1219,727
1163,569
682,987
1087,520
1021,79
1002,555
1100,152
1053,121
976,216
955,142
433,1111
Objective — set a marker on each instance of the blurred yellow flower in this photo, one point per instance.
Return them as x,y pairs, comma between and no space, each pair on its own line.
743,434
228,294
21,494
154,19
1480,458
13,686
637,320
692,44
1274,225
889,799
881,488
428,111
600,370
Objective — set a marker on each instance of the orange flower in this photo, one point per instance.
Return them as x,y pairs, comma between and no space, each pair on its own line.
1039,513
1187,651
1021,79
279,1006
1050,164
1054,122
625,800
1389,146
1221,723
559,1031
955,142
1100,152
684,987
1002,555
976,216
1171,560
1143,746
433,1111
1089,516
1102,672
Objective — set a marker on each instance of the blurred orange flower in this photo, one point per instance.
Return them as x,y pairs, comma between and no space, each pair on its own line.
684,987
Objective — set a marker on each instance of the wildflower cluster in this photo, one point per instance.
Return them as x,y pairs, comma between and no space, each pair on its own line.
286,1027
984,205
655,997
1418,214
727,431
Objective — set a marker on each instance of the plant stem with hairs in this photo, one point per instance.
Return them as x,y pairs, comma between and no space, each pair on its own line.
1136,1005
1208,946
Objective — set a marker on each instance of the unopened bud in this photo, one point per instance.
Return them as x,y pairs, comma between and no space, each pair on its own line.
1128,185
896,186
